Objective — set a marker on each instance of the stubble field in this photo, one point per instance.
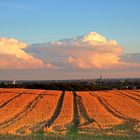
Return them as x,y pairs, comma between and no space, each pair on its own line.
95,113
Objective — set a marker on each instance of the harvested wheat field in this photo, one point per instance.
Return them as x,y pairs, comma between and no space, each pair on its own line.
26,111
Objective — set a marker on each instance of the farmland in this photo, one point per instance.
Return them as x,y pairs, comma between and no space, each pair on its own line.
25,112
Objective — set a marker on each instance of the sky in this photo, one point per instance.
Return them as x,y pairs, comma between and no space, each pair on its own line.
29,28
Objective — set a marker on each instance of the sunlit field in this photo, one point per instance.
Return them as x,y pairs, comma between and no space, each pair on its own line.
44,114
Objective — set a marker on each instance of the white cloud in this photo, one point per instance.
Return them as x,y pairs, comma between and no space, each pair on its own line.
13,56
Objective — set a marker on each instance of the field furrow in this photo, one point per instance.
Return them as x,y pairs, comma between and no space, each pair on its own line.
83,111
41,111
28,107
10,100
125,95
108,107
76,115
65,117
133,94
4,97
9,96
13,108
125,105
96,110
44,125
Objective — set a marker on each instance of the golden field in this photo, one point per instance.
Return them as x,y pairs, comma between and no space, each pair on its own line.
26,111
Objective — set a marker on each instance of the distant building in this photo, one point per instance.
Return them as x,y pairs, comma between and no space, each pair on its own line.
14,82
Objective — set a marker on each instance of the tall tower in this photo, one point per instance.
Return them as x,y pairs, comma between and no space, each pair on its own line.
100,80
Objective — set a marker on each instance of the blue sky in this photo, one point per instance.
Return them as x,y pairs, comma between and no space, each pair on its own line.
35,21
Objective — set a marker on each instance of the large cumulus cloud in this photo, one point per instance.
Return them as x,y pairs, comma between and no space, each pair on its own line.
90,51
